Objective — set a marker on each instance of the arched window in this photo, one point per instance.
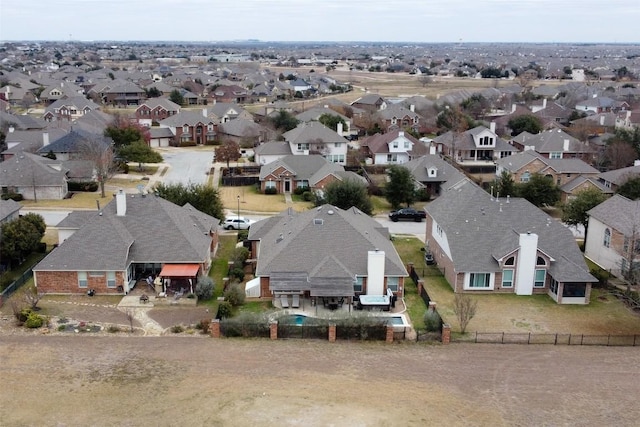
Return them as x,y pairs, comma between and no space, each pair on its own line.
541,261
607,238
510,261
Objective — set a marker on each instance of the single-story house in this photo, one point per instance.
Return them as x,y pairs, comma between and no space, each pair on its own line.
133,237
325,252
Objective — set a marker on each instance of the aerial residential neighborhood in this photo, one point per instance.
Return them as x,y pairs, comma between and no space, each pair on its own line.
424,196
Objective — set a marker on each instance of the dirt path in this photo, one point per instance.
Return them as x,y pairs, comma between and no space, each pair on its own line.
199,381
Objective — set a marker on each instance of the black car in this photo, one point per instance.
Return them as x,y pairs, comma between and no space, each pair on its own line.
407,213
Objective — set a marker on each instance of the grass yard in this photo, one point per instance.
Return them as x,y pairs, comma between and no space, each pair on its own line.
254,201
512,313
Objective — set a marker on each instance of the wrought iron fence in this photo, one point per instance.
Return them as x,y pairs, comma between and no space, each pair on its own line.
549,338
16,284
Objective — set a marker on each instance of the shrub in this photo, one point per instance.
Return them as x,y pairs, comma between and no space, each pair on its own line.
83,186
204,288
237,273
234,295
34,321
225,310
191,295
300,190
432,321
204,325
176,329
423,195
113,329
16,197
307,196
242,235
271,190
61,328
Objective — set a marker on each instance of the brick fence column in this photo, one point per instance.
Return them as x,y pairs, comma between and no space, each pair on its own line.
432,306
332,333
273,330
420,285
446,333
214,329
389,337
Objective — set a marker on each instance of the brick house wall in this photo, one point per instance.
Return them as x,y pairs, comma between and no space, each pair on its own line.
66,282
564,197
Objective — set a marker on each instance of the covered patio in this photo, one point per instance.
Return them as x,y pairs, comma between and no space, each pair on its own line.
176,278
295,290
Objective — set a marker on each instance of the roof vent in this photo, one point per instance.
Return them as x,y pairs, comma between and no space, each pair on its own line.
280,238
330,212
318,221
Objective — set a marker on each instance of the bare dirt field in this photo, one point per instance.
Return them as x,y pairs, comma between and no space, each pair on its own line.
168,381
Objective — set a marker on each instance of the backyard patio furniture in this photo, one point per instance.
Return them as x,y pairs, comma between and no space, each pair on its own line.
284,300
295,301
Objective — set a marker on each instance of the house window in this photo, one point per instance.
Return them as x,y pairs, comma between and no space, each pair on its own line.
337,144
406,145
209,127
553,286
303,146
555,155
185,129
541,261
111,279
358,284
479,280
607,238
507,278
510,261
303,183
392,158
82,279
525,177
392,283
539,279
198,130
270,184
395,144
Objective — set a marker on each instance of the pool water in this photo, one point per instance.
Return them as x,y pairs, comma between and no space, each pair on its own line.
294,319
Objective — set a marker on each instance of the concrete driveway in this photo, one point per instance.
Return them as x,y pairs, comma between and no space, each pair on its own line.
187,166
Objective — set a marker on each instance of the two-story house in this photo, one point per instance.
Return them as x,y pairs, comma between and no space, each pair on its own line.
190,126
395,147
554,144
69,109
479,145
504,245
153,110
397,117
316,138
613,240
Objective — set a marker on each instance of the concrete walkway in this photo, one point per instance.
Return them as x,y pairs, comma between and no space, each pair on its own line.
131,304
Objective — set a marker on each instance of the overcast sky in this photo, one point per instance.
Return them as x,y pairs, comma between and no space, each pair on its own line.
614,21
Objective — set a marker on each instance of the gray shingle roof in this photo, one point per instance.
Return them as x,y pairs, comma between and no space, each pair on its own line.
186,118
313,131
8,207
620,176
479,228
153,230
27,170
74,141
323,242
619,213
445,173
273,148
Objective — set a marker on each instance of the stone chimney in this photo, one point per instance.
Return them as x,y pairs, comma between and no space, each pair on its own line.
204,112
375,272
432,150
339,128
565,146
45,139
492,127
602,120
513,108
121,203
401,133
412,108
544,103
11,129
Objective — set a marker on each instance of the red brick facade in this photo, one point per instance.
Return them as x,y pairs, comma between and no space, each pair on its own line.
66,282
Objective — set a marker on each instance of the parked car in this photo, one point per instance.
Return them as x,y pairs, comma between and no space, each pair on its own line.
407,213
237,223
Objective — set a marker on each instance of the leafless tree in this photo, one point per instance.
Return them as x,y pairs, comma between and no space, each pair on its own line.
101,156
32,297
620,154
630,251
464,308
425,80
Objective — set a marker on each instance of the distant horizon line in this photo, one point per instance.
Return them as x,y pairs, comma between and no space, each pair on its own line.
458,42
